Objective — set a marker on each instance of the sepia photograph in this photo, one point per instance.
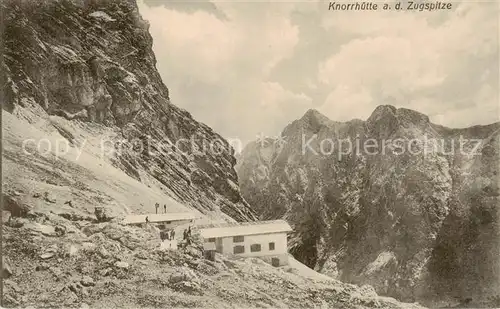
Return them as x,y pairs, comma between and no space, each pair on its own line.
250,154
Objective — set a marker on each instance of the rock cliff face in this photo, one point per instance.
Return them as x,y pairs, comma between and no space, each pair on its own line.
89,63
394,201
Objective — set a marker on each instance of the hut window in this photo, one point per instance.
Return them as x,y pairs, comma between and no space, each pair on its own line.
238,249
271,246
238,239
255,248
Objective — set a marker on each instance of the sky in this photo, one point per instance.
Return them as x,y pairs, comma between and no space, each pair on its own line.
249,68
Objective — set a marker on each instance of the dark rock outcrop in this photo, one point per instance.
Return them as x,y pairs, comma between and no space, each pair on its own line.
395,201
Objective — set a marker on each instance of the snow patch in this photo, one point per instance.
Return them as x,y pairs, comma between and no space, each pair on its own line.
65,53
380,262
130,79
233,185
40,44
101,16
304,271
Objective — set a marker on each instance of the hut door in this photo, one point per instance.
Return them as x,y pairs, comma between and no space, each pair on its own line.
275,262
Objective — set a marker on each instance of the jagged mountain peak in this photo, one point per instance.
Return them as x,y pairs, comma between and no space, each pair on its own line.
313,113
391,113
383,121
380,210
412,115
386,114
382,111
314,118
387,119
311,121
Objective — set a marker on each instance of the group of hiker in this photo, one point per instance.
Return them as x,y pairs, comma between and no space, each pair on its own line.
170,235
187,236
157,205
167,235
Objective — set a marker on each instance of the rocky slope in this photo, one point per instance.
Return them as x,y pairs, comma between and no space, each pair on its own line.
83,72
59,261
414,217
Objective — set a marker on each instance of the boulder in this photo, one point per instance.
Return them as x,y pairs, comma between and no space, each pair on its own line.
185,280
75,287
42,267
47,255
87,281
122,265
106,272
57,272
194,252
49,198
15,222
10,302
188,287
5,216
88,246
11,286
43,229
49,252
184,274
6,270
102,215
368,291
72,250
73,216
15,206
91,229
60,230
104,253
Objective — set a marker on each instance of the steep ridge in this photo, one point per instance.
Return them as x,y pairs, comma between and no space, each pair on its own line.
83,72
394,201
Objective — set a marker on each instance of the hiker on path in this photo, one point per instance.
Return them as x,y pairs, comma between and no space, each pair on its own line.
147,219
156,207
173,234
189,231
164,208
185,235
